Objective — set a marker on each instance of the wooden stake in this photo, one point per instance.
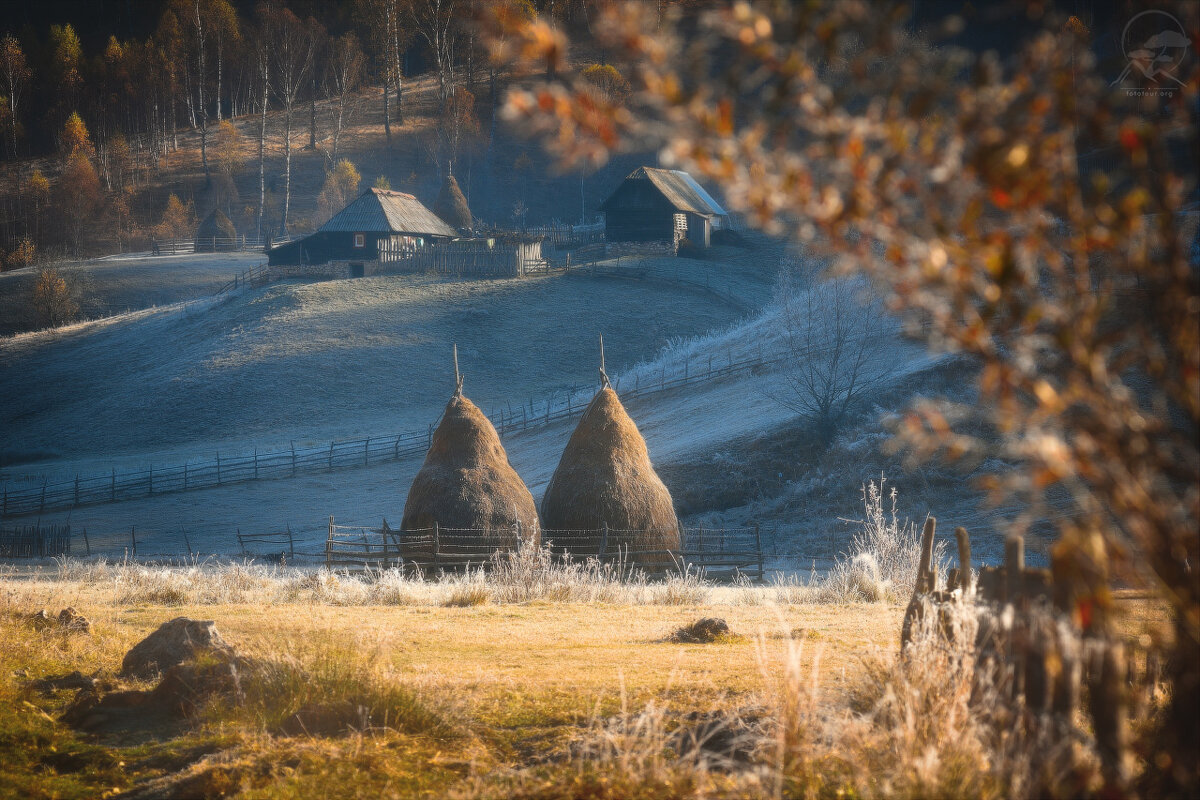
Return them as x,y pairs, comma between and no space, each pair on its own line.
458,378
604,384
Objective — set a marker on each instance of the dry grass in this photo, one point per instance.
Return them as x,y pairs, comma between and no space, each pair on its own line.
539,678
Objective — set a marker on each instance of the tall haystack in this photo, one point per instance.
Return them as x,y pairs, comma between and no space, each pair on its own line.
216,232
452,207
466,482
605,478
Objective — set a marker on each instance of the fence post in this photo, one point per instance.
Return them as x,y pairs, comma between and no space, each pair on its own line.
86,543
758,547
291,541
186,542
604,542
241,542
437,544
133,540
329,543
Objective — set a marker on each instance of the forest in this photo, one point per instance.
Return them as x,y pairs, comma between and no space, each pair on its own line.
94,119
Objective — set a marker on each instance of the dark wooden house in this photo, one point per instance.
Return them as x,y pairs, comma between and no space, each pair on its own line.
653,205
354,233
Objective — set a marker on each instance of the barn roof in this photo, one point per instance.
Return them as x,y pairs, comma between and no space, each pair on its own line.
385,211
681,190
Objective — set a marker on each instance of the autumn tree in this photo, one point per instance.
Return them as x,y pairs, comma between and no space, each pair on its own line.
52,300
341,184
77,196
954,183
178,220
66,56
38,197
75,138
227,155
15,74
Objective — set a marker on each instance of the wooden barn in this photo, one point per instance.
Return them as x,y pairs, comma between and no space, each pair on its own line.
653,205
354,233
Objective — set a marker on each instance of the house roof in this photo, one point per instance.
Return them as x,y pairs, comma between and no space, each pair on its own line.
382,210
681,190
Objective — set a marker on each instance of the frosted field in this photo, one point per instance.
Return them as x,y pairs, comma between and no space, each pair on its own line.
118,284
313,361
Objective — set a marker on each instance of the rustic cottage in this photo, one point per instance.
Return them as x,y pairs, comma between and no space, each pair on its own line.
661,205
354,233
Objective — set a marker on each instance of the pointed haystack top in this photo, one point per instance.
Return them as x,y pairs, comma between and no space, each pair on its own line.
452,207
467,482
605,478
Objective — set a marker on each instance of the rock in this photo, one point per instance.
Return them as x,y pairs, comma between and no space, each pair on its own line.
68,620
71,620
702,631
174,642
91,712
76,680
41,620
184,686
326,719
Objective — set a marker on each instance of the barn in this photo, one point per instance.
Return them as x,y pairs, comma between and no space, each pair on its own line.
354,233
656,205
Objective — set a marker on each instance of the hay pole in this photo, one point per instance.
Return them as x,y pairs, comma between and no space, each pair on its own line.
458,377
604,384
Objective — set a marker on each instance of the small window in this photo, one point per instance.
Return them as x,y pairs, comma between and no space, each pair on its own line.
360,240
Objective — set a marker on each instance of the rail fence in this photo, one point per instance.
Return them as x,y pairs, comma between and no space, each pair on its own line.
713,552
35,541
221,471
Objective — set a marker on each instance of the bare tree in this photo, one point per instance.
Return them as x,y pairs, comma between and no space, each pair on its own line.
261,58
291,46
435,21
344,73
839,339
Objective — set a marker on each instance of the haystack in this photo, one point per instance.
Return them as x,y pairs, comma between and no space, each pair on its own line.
452,207
216,232
466,482
605,478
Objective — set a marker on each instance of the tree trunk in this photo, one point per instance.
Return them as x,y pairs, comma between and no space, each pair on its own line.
287,166
387,120
220,42
312,115
262,160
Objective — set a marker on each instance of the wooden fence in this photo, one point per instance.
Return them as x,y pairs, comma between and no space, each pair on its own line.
35,541
568,236
275,539
477,257
205,244
221,471
713,552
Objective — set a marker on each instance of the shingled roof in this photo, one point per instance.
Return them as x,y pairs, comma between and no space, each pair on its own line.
379,210
681,190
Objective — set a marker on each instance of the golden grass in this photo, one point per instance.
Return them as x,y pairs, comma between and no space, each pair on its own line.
468,688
